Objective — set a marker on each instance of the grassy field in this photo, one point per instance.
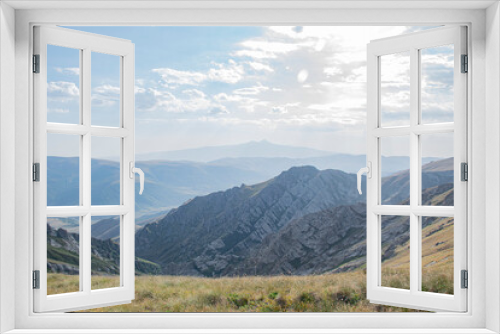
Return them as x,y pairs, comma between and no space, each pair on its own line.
343,292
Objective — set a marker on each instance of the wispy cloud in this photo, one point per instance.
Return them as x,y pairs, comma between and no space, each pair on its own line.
230,73
68,70
62,91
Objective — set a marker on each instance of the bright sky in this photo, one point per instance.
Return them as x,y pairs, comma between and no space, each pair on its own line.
199,86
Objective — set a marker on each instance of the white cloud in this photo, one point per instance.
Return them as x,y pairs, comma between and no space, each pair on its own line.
108,90
262,49
62,91
186,101
68,70
105,96
231,73
260,66
58,110
171,76
251,90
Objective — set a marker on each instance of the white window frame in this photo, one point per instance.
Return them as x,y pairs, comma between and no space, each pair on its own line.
413,44
484,104
86,44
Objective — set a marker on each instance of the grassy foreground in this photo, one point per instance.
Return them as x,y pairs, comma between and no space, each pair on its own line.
344,292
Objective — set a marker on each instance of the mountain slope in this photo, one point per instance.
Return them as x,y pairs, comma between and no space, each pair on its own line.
333,240
211,235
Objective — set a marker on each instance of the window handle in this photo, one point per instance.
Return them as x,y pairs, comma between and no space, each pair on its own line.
368,171
139,171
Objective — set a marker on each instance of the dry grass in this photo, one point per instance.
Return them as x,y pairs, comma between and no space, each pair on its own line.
344,292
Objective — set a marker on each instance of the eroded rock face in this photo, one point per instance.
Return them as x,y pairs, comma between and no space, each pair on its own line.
313,244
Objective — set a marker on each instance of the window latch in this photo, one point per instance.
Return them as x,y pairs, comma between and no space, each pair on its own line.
368,171
132,171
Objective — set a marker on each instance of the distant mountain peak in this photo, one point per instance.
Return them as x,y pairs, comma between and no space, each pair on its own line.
300,172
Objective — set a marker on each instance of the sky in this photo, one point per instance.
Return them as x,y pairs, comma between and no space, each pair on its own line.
208,86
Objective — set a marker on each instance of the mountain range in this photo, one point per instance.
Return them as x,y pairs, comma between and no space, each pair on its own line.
241,230
302,221
171,183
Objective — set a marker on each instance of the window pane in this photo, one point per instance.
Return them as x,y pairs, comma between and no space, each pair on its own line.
395,252
63,85
437,254
437,68
63,170
106,170
105,252
395,170
395,89
437,169
63,255
105,90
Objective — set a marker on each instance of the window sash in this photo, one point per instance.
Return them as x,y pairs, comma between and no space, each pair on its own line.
414,298
87,43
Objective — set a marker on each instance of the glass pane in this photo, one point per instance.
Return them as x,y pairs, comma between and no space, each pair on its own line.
395,252
395,170
437,254
395,89
63,170
106,170
437,169
105,89
437,68
105,252
63,255
63,85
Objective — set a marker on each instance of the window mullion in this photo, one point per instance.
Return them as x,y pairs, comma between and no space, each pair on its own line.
415,248
85,237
